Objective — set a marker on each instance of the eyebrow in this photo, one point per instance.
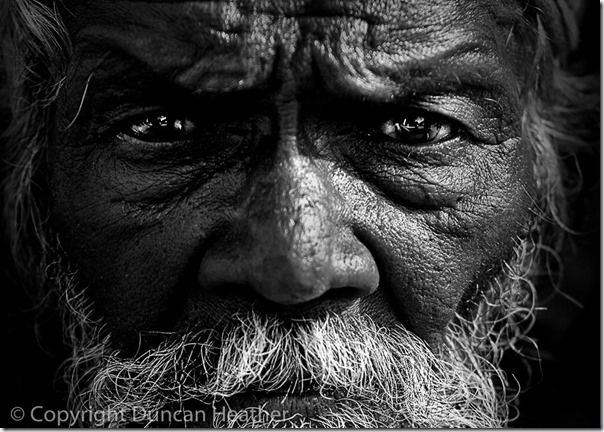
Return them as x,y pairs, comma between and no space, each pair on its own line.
464,71
465,67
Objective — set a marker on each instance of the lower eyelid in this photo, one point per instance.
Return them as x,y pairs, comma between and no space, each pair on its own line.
130,140
399,152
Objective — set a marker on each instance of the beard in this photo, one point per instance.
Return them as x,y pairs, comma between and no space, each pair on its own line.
322,373
332,371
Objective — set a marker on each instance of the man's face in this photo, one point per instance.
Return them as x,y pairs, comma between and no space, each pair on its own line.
296,158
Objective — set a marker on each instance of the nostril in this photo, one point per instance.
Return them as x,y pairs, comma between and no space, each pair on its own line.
347,293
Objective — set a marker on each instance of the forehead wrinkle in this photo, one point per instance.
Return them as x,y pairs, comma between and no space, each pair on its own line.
232,45
381,79
375,11
364,62
211,45
183,62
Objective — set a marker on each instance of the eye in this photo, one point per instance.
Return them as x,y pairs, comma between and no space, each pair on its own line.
161,127
417,128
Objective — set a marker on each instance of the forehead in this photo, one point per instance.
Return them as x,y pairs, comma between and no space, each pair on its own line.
369,45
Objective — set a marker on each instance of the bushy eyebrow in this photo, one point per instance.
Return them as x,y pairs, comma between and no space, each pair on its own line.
464,66
471,96
123,82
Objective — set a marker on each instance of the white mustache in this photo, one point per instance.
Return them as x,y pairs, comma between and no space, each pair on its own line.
388,372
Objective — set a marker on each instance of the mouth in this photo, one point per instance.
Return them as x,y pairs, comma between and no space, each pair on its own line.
273,408
257,408
307,404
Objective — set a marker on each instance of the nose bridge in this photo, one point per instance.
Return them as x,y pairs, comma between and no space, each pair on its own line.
290,216
291,202
289,241
291,193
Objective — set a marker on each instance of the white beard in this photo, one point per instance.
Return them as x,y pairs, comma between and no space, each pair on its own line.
362,375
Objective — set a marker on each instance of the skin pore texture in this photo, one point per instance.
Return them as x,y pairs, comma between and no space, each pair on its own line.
328,206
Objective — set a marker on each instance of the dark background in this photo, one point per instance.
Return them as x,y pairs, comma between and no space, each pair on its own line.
565,389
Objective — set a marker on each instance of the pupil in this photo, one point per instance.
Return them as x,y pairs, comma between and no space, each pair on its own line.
411,128
417,124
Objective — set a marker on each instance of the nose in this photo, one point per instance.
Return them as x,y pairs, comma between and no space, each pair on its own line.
290,243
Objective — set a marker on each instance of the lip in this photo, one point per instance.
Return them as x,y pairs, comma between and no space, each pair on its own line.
261,408
249,408
309,403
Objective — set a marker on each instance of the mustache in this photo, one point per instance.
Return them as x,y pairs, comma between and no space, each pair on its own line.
375,376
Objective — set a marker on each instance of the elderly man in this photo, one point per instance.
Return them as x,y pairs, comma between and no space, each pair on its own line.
287,212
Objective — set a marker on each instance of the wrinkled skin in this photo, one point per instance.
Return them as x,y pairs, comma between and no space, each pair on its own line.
287,198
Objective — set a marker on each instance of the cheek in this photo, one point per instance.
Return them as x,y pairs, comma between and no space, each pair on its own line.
135,238
446,225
